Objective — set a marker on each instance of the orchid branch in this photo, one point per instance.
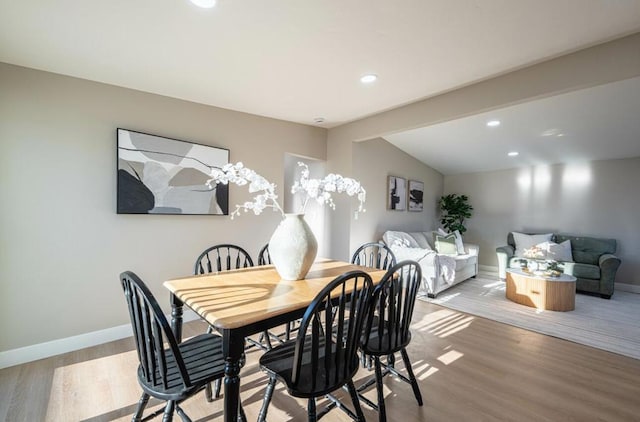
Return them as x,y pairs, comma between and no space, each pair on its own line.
318,189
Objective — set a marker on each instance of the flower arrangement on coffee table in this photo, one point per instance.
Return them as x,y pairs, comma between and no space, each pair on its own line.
535,252
544,266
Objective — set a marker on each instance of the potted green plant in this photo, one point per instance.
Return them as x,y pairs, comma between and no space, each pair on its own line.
454,209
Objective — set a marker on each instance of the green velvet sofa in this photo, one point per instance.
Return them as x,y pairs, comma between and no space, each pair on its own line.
594,264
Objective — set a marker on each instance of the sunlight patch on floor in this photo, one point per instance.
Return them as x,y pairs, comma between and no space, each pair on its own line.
427,374
75,387
434,318
423,370
450,357
498,285
454,328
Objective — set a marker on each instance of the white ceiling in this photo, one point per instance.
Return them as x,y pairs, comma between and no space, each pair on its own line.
591,124
300,59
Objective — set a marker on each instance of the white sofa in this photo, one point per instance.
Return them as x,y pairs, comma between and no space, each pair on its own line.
439,271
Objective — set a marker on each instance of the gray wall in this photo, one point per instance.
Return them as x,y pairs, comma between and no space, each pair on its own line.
62,245
598,198
373,161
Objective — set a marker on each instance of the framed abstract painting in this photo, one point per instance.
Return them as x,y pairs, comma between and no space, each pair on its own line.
396,193
416,191
158,175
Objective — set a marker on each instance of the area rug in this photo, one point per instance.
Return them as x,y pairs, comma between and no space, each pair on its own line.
612,325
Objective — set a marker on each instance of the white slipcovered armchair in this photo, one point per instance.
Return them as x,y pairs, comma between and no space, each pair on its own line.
439,271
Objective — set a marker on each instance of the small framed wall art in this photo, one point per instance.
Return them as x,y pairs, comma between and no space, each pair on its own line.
416,191
158,175
396,193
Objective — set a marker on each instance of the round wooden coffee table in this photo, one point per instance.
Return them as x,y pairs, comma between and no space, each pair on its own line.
537,291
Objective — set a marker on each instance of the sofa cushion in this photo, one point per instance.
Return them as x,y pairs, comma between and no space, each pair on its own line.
401,239
587,250
459,243
443,232
559,251
414,254
465,260
581,270
446,245
527,241
421,239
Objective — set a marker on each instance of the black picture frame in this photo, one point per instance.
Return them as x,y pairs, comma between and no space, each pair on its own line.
396,193
159,175
415,196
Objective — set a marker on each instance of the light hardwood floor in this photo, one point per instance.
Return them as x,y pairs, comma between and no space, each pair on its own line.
469,369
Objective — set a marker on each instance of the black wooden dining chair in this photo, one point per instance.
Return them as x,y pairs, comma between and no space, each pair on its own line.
323,357
374,255
168,370
387,329
263,256
225,257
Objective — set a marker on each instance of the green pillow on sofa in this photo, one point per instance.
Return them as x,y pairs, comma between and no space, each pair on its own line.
445,244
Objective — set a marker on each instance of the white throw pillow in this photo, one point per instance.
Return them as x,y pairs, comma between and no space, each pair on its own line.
459,244
421,239
527,241
560,251
400,239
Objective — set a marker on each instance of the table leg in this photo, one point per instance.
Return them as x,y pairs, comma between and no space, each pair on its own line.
176,317
233,349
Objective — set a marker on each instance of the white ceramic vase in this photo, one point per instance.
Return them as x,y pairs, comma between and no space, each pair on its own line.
293,247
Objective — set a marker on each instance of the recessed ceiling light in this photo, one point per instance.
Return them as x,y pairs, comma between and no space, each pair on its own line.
493,123
367,79
513,153
319,120
206,4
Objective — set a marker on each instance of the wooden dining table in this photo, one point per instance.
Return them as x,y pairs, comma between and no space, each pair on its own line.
240,303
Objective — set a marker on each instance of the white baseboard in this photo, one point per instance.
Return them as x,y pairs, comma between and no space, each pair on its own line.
488,269
56,347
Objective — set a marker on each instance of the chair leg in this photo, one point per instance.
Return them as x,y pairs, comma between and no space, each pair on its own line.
268,393
142,403
208,392
356,401
412,377
366,361
168,411
241,415
311,410
391,361
382,412
213,392
182,415
267,340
